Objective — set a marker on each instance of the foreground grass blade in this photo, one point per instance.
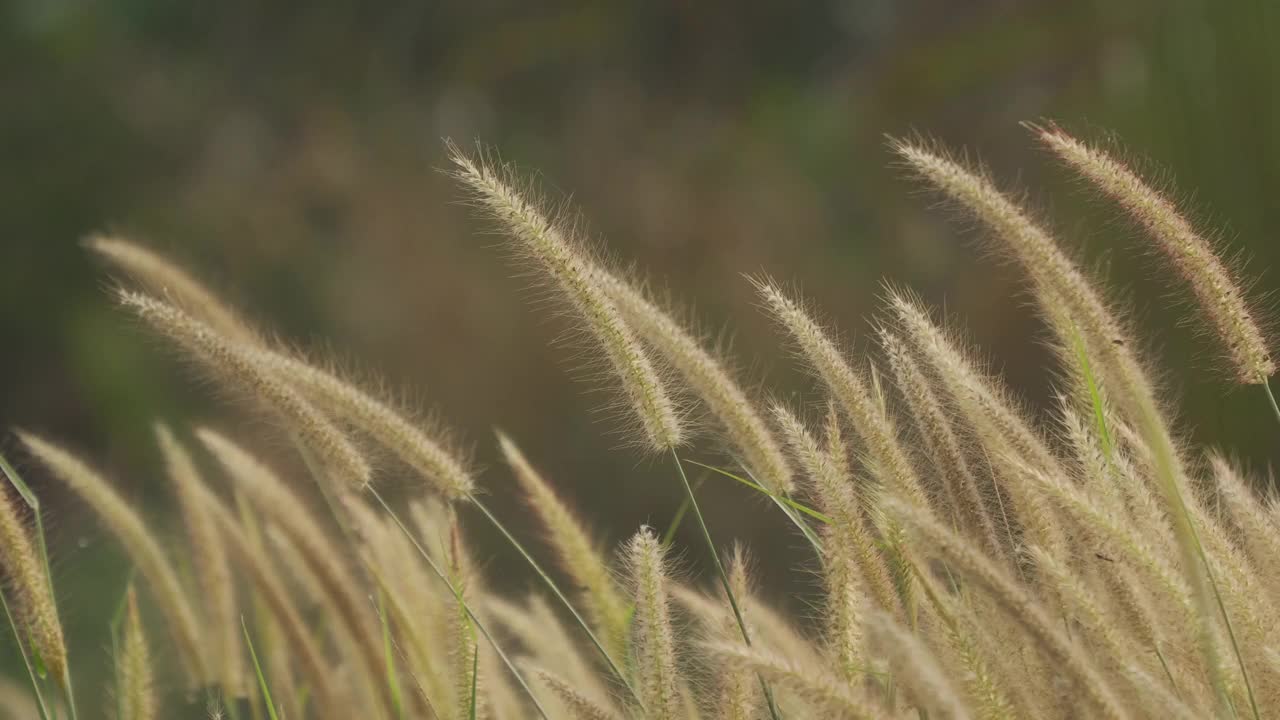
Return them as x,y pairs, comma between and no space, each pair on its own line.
389,657
788,506
257,669
669,536
1275,408
475,619
33,502
724,577
555,589
26,660
763,491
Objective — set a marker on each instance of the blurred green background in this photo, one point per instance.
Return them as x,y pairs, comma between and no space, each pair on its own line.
290,152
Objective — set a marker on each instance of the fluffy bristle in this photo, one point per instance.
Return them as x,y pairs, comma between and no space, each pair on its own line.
653,636
709,378
209,561
1220,295
31,590
137,686
142,547
168,279
571,271
242,368
578,554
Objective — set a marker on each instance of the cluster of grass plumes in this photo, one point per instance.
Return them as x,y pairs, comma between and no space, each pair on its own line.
973,559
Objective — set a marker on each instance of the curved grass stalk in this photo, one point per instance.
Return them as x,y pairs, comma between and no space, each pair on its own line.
555,589
1271,396
784,503
33,502
26,661
257,669
475,619
724,578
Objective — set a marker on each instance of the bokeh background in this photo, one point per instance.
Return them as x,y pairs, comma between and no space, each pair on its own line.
290,152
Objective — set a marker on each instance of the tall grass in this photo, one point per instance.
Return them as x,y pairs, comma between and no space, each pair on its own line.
975,559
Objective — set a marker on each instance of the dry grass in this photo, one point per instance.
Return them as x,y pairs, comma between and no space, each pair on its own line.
976,560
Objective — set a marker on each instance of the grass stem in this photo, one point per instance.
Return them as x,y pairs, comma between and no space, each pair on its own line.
555,589
1266,387
724,577
475,620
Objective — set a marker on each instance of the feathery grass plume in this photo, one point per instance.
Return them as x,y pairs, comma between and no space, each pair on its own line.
1064,293
1151,561
1221,297
475,666
826,694
1067,298
1056,279
915,667
996,417
559,254
1247,608
775,631
272,640
209,560
30,589
579,555
330,698
422,608
410,604
1160,700
941,443
888,460
959,630
1094,451
142,547
549,643
886,457
580,707
653,638
410,441
468,698
737,693
137,688
852,566
174,283
324,560
242,368
1005,435
709,379
1080,602
1256,529
933,539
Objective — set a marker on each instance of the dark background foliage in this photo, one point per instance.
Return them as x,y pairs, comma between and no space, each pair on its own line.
290,153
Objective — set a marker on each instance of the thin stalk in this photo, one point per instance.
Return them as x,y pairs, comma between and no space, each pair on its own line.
1266,386
1231,633
257,668
475,672
26,662
502,655
33,502
1167,673
117,620
784,503
763,490
555,589
1095,397
389,657
724,578
669,536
